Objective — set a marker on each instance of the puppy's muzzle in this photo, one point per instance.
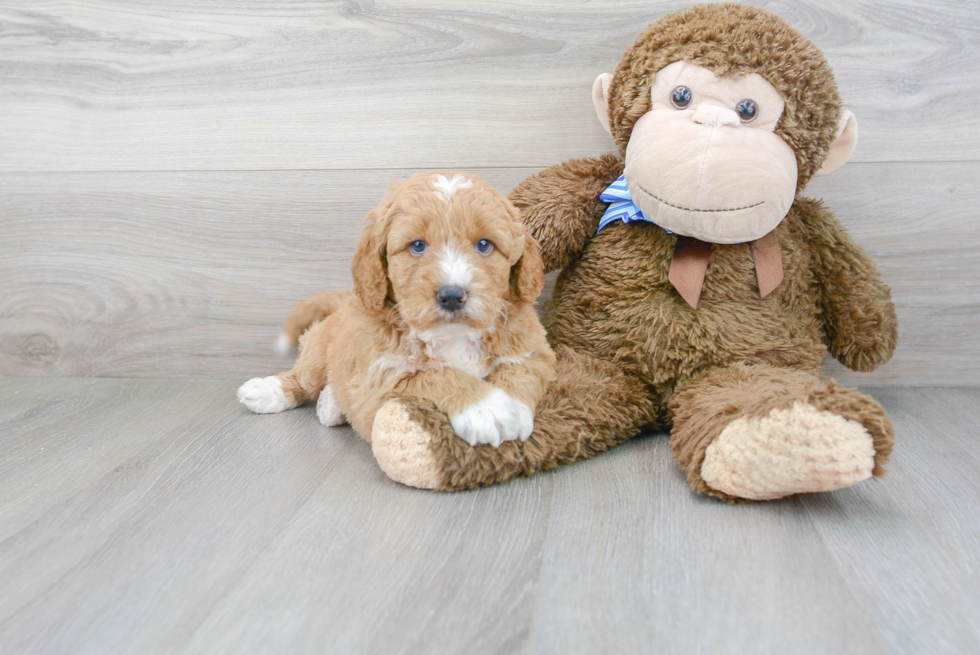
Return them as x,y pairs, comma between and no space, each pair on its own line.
450,298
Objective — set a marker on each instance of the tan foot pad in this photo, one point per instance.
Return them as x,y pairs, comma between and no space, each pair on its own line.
789,451
401,447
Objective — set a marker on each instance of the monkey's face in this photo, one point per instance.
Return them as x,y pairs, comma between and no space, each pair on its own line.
704,161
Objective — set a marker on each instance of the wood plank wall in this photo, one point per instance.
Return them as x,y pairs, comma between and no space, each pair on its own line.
175,174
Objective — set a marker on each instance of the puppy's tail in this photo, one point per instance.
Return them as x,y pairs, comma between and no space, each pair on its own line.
306,313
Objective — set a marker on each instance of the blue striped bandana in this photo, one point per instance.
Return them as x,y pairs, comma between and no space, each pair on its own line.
621,207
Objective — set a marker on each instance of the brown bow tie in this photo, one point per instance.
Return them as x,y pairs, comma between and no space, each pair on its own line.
690,262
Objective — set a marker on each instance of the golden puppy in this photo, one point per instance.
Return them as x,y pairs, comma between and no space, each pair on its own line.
445,279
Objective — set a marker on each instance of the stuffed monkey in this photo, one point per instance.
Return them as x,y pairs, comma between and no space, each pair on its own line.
699,291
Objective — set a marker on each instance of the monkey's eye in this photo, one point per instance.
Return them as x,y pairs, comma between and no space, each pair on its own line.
746,110
484,247
681,97
417,247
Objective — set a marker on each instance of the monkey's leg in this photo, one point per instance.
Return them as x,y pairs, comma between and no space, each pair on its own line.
591,407
759,432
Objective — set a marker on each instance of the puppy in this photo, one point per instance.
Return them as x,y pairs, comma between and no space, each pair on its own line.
445,278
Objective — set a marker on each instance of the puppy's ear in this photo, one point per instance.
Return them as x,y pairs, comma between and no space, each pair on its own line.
369,267
527,273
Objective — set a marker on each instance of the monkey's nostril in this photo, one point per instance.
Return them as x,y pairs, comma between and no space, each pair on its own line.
451,298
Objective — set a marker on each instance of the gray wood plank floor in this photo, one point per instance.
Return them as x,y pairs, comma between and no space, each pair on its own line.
153,516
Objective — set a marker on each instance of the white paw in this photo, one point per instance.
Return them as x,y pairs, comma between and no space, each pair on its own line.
264,395
493,420
328,410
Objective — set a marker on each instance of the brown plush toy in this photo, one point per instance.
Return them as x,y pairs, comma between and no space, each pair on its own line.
699,291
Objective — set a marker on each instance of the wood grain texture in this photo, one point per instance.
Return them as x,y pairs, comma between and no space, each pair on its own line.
192,274
303,84
921,508
195,527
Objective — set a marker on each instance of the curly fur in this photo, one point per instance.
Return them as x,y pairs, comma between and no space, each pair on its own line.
392,337
732,40
711,401
737,354
631,352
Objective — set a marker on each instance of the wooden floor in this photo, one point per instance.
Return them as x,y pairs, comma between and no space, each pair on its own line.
151,516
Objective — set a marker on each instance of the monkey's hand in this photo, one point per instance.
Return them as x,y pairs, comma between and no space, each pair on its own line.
561,208
858,313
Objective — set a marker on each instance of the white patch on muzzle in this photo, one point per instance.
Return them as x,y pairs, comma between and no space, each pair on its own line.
456,270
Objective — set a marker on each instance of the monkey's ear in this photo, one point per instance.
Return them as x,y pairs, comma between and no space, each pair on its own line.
840,151
600,98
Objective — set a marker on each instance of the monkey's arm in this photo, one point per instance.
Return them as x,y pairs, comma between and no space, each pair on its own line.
858,313
561,208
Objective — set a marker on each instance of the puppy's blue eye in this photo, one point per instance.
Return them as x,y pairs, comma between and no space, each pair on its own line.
484,247
417,247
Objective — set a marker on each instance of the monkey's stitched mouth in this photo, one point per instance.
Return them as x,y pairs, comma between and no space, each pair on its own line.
691,209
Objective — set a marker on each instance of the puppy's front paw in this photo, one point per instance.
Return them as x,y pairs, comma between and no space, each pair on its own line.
494,419
264,395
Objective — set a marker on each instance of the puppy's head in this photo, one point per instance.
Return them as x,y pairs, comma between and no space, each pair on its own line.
446,247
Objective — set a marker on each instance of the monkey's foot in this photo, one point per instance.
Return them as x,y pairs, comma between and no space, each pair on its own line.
403,447
788,451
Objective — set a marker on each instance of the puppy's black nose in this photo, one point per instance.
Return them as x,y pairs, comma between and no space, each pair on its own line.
451,299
